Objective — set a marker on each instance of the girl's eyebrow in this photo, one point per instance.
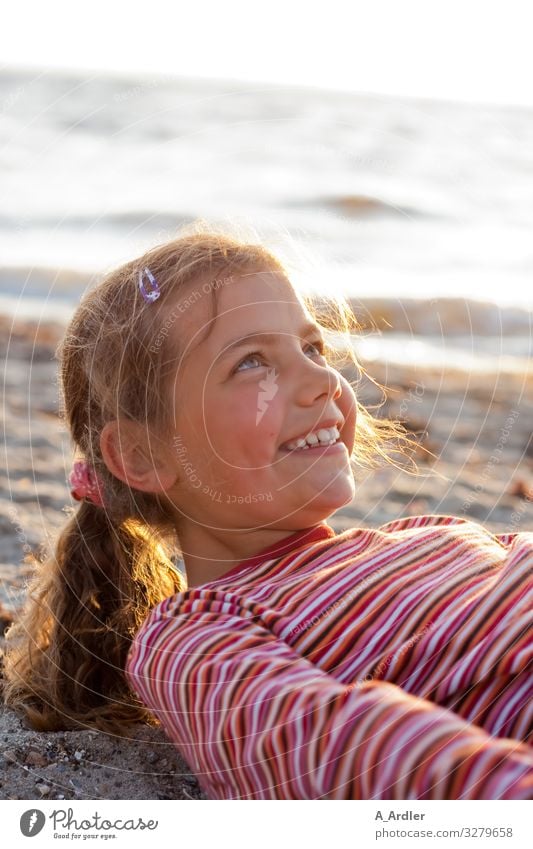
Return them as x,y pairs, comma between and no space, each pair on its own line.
265,339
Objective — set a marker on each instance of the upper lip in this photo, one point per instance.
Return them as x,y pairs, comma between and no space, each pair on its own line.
336,422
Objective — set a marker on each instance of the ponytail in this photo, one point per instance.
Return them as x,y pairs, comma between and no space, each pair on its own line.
65,654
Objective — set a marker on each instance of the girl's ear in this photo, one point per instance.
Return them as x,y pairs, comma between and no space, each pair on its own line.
135,458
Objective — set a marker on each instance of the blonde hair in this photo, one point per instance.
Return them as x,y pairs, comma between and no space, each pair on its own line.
66,651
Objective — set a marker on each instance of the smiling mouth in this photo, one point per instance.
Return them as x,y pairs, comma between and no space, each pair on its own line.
326,447
314,439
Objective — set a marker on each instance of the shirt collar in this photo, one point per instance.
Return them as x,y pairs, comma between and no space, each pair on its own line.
281,548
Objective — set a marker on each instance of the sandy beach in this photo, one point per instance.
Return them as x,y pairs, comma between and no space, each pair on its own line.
476,425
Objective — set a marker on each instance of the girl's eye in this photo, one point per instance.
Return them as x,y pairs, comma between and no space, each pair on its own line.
251,356
318,344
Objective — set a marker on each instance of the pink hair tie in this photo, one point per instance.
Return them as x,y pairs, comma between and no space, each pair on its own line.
86,483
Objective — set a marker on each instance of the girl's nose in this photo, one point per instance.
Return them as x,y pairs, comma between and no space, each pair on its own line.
315,381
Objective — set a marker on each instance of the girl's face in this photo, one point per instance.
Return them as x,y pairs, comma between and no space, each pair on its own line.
237,401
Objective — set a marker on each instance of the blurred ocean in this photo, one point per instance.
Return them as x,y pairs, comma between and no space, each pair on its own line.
417,205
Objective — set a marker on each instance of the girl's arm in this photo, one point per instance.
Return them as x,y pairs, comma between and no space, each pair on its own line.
255,720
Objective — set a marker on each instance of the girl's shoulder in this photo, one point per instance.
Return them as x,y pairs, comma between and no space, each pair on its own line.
411,527
468,526
424,521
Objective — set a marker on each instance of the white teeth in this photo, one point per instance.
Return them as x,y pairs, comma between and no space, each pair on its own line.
324,436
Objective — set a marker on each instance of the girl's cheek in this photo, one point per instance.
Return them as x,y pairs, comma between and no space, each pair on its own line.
259,411
348,406
240,433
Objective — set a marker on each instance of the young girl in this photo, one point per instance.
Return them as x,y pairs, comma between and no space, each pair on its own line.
292,662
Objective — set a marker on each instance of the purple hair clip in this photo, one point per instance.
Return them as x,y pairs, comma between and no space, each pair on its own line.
153,294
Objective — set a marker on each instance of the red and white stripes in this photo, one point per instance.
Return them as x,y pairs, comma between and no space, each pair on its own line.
388,663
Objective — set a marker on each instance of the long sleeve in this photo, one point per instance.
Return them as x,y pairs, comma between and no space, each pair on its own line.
255,720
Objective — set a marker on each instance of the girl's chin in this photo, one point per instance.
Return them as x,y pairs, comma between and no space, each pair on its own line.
335,493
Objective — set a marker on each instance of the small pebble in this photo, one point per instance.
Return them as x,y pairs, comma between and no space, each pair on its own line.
43,789
34,758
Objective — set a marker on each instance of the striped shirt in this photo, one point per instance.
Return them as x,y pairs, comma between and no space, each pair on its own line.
378,663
